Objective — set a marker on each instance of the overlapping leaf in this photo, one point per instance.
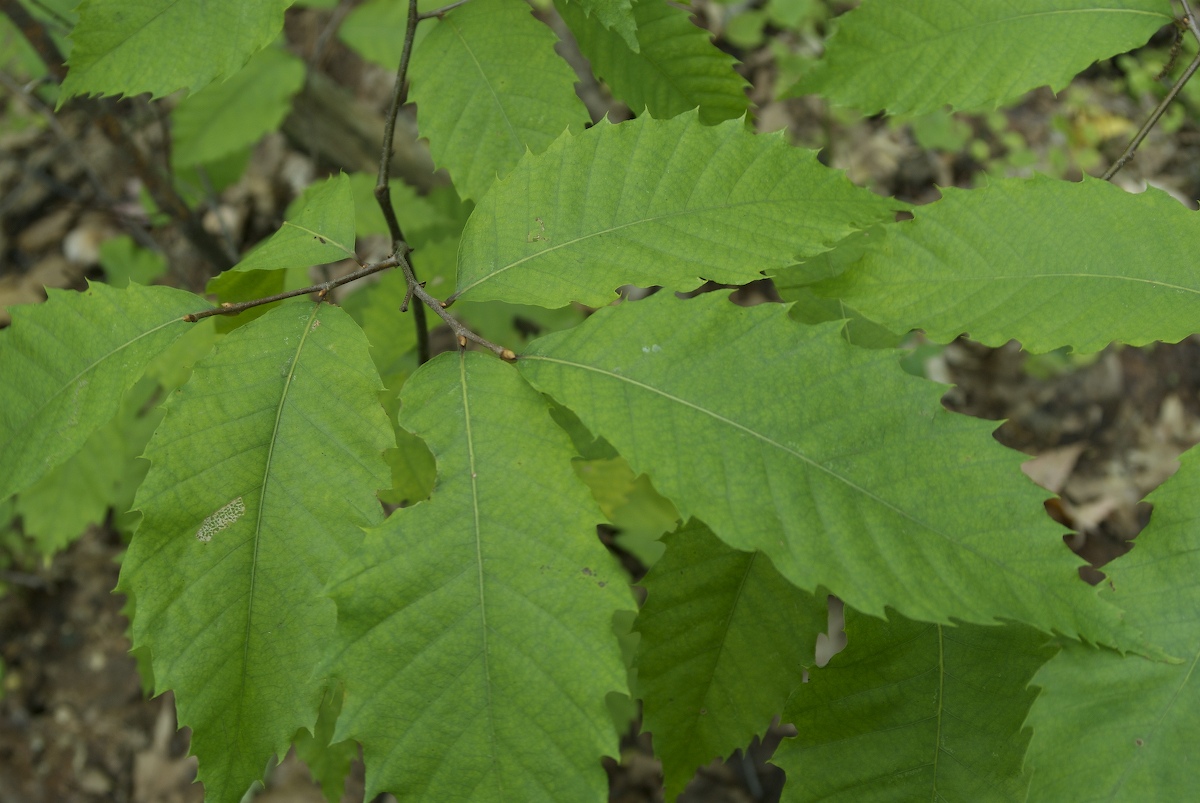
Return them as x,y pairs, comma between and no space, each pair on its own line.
489,86
475,629
328,762
234,114
1113,728
724,640
655,202
917,57
263,474
375,29
1038,260
322,232
425,219
613,15
640,514
675,69
103,474
915,711
130,48
828,458
124,261
65,364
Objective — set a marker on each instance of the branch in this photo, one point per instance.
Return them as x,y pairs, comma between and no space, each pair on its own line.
161,190
322,290
461,332
383,194
1190,18
441,12
1161,108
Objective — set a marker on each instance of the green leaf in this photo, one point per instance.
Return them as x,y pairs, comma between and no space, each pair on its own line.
130,48
676,69
809,308
425,219
226,117
376,308
89,480
828,458
124,261
972,55
102,475
375,30
475,628
794,285
233,286
655,202
200,183
513,325
65,364
724,641
322,232
263,474
484,99
915,711
1035,260
328,763
413,470
1113,728
617,16
630,502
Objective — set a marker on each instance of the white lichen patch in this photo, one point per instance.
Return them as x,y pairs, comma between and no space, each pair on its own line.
221,520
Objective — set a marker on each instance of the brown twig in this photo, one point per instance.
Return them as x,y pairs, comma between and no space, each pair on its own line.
441,12
461,332
322,290
1161,108
383,193
160,189
1190,18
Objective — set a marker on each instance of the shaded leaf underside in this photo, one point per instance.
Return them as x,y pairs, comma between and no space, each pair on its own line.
724,640
915,711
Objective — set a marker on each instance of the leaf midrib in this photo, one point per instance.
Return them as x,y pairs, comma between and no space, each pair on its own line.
639,222
923,44
926,281
262,502
487,666
1005,569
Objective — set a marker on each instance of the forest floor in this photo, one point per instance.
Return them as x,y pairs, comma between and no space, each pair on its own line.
1101,433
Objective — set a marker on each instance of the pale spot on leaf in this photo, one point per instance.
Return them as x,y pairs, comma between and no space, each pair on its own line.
221,520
